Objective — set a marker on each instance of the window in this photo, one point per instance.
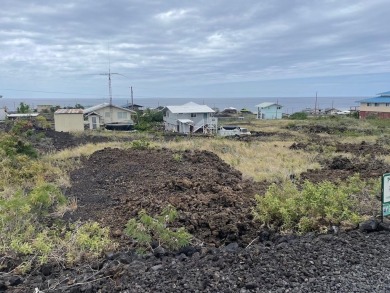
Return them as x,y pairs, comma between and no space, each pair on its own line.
368,104
193,114
279,107
376,104
122,115
387,104
107,114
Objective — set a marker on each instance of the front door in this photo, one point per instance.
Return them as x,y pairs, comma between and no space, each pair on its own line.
94,122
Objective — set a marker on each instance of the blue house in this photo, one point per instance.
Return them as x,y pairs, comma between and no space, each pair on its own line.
269,111
375,107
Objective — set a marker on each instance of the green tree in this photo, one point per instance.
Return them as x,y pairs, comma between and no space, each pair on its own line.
23,108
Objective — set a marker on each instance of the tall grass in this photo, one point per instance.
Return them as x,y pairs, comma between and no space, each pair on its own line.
271,161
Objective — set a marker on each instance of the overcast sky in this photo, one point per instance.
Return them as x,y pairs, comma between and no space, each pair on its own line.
179,48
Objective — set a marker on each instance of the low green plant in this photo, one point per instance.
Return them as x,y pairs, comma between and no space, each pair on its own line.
140,144
177,157
147,229
86,241
11,145
298,116
312,207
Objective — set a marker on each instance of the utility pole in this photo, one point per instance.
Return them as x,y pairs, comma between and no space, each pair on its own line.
132,100
315,106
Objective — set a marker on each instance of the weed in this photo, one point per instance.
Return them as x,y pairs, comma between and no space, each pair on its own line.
177,157
146,229
287,208
140,144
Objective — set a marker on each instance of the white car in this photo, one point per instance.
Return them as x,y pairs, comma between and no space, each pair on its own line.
345,112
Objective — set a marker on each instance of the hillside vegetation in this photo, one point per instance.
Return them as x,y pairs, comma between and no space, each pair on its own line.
318,172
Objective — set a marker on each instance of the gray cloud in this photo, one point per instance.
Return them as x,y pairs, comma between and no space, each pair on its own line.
179,44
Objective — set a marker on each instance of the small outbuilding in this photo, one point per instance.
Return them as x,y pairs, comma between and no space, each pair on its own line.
269,111
69,120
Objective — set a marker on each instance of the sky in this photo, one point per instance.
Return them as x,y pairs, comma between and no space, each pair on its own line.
184,49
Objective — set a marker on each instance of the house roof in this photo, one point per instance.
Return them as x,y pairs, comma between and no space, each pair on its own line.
186,121
266,104
190,108
384,94
105,105
69,111
376,100
22,115
129,105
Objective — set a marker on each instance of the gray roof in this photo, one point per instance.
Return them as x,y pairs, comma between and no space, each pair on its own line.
105,105
69,111
190,108
266,104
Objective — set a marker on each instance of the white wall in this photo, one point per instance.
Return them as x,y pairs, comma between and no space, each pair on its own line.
2,114
68,122
106,113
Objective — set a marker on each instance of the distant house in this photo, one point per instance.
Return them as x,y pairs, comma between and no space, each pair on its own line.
134,107
106,113
190,117
44,108
331,111
269,111
375,107
3,114
69,120
230,110
22,116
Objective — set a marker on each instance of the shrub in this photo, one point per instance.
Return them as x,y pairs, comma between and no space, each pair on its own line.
12,145
147,229
298,116
315,206
140,144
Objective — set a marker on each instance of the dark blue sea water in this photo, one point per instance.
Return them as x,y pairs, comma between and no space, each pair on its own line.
290,104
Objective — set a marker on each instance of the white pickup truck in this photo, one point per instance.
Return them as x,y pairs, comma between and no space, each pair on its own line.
231,130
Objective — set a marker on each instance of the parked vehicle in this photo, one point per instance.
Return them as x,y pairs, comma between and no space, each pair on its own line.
231,130
345,112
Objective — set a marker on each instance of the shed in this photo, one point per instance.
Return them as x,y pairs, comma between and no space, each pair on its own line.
69,120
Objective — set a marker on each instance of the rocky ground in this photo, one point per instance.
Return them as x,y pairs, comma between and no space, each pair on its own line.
232,253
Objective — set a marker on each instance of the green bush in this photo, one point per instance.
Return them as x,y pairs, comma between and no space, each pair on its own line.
140,144
21,216
298,116
147,229
314,207
13,145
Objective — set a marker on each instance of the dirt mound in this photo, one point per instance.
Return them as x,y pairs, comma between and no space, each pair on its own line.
340,168
213,200
362,149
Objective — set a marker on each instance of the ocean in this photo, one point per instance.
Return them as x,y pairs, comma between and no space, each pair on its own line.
290,104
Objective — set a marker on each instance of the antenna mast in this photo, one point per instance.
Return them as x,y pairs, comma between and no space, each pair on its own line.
132,100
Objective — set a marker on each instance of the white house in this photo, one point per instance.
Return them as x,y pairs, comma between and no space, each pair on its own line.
269,111
107,113
190,117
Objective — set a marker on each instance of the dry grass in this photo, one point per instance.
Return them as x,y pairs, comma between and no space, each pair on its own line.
271,161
